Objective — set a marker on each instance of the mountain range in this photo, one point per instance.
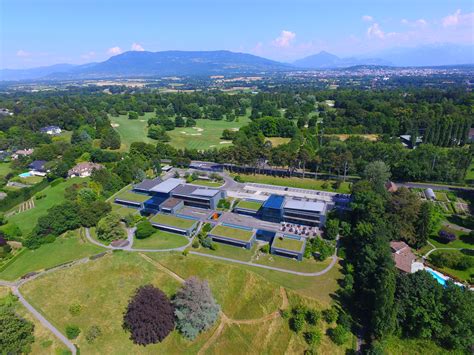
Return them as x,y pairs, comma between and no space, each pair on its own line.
204,63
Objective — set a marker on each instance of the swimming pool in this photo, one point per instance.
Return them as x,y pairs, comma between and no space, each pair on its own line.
27,174
437,277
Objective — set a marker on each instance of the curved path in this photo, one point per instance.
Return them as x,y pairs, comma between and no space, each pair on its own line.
248,263
435,249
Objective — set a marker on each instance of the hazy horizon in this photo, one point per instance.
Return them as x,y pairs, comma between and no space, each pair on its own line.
47,32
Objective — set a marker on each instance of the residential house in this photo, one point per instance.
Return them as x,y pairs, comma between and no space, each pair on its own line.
84,169
403,256
51,130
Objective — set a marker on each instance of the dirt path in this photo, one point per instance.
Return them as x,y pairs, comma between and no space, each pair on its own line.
228,321
162,268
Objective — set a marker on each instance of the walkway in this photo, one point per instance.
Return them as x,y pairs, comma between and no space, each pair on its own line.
44,321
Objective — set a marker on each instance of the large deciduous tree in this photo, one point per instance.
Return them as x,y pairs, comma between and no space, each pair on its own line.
149,316
16,333
109,228
196,309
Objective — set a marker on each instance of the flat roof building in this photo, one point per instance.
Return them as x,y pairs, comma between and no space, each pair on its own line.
167,186
233,235
146,185
171,205
198,197
310,213
174,224
288,246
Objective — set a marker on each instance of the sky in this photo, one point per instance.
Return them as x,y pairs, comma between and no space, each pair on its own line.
43,32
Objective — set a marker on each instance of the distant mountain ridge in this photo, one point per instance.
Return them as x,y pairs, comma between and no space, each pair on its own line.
325,60
204,63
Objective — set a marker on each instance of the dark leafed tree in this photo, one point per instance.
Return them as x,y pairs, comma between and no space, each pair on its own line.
149,316
196,309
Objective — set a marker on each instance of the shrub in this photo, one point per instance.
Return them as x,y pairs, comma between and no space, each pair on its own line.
185,252
149,316
285,314
265,249
72,331
330,315
93,333
75,309
338,335
297,322
238,179
213,246
312,337
206,242
312,316
446,237
144,230
206,227
195,308
195,244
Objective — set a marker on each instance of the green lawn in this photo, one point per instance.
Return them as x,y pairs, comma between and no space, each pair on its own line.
207,134
229,232
123,211
276,141
207,183
306,265
229,251
132,196
132,130
173,221
4,169
160,240
463,240
250,205
463,275
470,173
54,196
64,249
300,183
396,346
30,180
288,244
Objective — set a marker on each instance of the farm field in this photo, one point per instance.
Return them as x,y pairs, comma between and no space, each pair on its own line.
45,341
66,248
300,183
207,134
26,220
86,285
160,240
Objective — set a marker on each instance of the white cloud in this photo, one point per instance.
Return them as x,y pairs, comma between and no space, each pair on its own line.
374,31
88,55
367,18
284,40
114,50
22,53
458,18
137,47
420,23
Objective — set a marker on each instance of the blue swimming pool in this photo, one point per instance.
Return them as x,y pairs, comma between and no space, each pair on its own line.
27,174
438,278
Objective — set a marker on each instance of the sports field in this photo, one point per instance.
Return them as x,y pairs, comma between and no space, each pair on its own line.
132,130
207,134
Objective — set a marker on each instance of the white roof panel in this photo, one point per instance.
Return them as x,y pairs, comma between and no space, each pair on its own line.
167,185
314,206
205,192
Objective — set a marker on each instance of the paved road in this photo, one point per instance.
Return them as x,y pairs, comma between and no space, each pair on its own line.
319,273
44,321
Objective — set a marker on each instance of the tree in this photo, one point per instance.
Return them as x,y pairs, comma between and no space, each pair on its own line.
195,308
133,115
16,333
339,335
149,316
144,230
332,229
179,121
429,222
312,337
377,173
109,228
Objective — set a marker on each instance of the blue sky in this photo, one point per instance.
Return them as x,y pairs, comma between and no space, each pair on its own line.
44,32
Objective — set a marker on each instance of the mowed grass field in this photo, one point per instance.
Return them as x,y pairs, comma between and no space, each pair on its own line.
132,130
160,240
297,182
26,220
66,248
207,134
103,287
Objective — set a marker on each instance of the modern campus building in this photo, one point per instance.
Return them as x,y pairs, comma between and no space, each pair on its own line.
283,221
